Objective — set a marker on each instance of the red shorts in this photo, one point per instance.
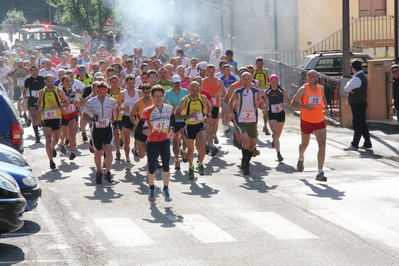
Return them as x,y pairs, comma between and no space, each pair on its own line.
309,128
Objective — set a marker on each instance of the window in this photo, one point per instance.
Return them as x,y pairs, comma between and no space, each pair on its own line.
372,8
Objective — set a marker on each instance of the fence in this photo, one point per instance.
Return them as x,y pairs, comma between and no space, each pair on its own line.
292,78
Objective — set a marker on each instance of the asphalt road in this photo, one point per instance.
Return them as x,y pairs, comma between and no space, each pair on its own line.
276,216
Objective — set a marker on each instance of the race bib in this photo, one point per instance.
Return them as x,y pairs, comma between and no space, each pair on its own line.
34,94
214,100
276,108
247,116
20,81
50,114
314,99
197,118
161,125
102,123
69,109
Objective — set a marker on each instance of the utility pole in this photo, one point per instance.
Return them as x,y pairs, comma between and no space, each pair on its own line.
345,40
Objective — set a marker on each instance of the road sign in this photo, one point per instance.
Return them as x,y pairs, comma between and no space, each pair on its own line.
109,24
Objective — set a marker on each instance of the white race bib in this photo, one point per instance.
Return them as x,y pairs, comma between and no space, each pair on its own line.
314,99
20,81
102,123
214,100
69,109
276,108
197,118
34,94
50,114
161,125
247,116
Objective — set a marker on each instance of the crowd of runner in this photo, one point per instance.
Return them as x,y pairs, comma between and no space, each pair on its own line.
133,106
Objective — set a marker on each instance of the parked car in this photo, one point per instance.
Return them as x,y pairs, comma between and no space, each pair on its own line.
12,204
330,62
27,183
11,155
11,131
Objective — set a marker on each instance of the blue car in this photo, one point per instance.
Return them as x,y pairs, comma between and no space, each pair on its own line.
30,189
12,204
11,155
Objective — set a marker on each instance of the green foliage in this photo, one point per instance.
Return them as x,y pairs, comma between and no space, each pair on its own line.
13,16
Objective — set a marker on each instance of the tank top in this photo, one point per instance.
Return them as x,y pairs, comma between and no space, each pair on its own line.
314,98
50,98
71,99
275,98
262,77
129,101
115,97
186,83
194,106
140,111
158,121
247,111
212,87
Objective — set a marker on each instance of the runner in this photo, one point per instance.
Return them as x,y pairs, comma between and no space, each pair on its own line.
173,97
100,111
33,84
311,100
195,106
126,100
159,132
51,100
140,148
248,102
114,92
262,75
275,96
18,75
228,79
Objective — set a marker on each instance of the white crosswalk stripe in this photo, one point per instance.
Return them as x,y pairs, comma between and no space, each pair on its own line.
201,229
278,226
123,232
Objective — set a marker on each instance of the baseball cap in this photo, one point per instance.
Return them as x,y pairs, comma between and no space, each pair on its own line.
1,58
82,69
203,65
20,60
274,76
99,75
101,46
176,78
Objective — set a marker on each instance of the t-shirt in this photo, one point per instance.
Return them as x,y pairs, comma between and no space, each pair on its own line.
166,85
3,72
43,72
34,85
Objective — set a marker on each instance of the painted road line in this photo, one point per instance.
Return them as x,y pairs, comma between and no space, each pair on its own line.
201,229
123,232
278,226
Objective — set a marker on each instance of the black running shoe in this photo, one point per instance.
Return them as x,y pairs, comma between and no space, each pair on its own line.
246,171
84,136
99,178
118,156
54,153
52,164
321,177
66,141
109,177
37,139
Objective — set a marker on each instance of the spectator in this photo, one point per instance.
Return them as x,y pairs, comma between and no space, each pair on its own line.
86,40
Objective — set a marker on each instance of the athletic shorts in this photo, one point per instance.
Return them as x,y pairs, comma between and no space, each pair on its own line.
117,125
140,136
126,122
309,128
280,117
32,102
55,124
249,128
65,120
179,125
101,137
191,130
154,149
215,112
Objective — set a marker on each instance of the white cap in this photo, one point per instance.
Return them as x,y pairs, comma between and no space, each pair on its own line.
176,78
203,65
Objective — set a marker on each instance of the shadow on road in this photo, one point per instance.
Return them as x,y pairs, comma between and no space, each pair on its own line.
167,219
201,189
327,192
256,183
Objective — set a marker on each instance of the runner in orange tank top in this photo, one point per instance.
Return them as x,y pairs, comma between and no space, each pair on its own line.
215,88
311,100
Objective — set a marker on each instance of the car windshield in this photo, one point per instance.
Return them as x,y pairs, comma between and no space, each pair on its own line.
304,62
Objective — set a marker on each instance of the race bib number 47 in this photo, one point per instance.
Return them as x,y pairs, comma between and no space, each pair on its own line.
161,125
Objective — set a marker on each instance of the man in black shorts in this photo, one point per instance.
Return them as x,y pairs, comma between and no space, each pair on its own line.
32,86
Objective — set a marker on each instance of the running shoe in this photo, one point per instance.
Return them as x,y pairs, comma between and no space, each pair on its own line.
72,156
99,179
166,194
54,153
207,148
350,148
246,171
255,153
184,156
66,141
151,195
191,172
227,133
26,117
121,142
321,177
214,151
266,130
159,165
177,165
136,155
200,168
300,166
37,139
52,164
365,148
118,156
84,136
63,150
28,122
279,157
91,148
215,139
109,177
128,165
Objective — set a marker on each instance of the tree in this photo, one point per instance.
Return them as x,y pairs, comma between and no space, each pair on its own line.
14,16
